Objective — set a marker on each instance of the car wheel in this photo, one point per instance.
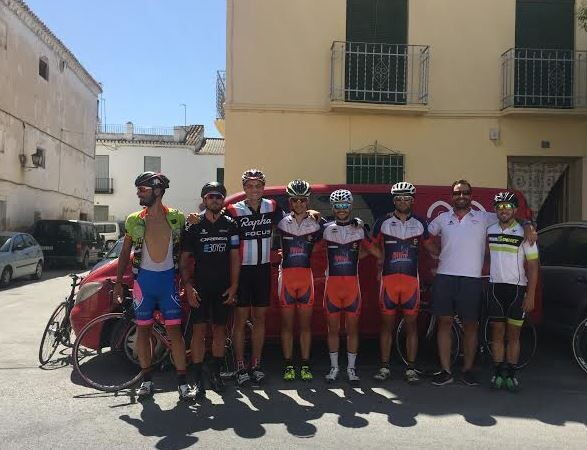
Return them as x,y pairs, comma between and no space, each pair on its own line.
6,276
38,271
85,262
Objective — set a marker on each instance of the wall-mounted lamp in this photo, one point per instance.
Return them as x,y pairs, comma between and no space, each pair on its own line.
37,158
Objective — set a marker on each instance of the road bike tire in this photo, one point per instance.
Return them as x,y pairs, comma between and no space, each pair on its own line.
427,363
528,342
580,344
51,336
99,356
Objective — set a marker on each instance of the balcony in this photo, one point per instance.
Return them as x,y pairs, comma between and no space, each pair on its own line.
104,186
539,79
379,76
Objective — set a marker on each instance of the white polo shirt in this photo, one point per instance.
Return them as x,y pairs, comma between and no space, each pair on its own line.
462,242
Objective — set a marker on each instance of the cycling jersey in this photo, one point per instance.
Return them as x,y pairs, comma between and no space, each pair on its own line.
211,243
343,242
255,228
508,251
135,228
342,292
401,243
297,240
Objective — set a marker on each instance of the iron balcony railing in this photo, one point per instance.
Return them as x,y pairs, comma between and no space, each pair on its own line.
394,74
104,186
110,128
106,128
544,78
220,93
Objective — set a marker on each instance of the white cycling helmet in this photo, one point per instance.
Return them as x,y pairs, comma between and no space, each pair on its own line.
403,188
341,196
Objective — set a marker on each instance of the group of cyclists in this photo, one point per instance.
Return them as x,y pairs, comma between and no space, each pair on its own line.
223,256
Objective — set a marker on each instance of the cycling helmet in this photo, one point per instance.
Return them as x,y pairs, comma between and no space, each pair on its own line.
213,187
253,174
152,180
341,196
298,188
403,188
506,197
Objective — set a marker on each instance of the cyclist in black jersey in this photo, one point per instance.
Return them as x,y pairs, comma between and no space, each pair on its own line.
210,266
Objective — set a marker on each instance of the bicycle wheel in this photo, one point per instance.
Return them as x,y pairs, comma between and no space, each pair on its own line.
580,344
427,360
100,354
51,335
528,342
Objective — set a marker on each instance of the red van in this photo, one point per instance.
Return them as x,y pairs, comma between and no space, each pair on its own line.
370,203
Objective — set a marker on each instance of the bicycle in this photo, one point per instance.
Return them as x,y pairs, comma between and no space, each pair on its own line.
58,329
580,344
105,356
427,346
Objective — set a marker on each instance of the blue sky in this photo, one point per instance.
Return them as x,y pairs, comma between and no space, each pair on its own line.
149,55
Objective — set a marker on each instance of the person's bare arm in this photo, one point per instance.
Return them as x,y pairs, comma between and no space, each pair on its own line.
186,269
123,259
532,268
235,268
432,247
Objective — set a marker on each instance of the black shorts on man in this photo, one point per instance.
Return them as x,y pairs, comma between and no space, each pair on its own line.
504,302
457,295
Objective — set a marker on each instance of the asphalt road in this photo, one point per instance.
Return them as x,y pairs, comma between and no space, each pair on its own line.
48,408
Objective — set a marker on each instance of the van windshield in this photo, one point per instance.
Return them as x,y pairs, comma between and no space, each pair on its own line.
56,230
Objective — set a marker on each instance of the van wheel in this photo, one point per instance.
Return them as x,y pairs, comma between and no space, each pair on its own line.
6,276
38,271
85,262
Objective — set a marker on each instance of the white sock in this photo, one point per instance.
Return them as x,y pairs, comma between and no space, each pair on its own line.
334,359
352,357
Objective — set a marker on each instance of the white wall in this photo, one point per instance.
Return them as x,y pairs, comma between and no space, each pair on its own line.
187,171
58,115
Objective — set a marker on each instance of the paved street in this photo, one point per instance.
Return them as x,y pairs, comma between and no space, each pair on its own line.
47,409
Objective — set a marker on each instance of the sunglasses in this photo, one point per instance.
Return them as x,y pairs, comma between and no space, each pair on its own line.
461,193
403,198
504,206
214,196
299,200
340,206
143,189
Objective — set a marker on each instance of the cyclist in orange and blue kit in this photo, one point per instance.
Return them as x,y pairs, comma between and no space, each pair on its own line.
346,244
298,232
399,235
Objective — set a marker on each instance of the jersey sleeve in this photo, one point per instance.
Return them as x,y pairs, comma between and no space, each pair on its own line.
133,228
234,239
319,233
187,238
377,235
530,251
490,218
425,234
278,214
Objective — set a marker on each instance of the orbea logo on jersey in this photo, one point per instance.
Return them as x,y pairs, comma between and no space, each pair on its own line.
246,222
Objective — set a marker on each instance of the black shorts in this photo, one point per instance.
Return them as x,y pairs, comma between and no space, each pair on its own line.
457,295
504,301
254,286
211,308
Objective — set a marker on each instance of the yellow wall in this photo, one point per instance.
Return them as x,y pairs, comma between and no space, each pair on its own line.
279,117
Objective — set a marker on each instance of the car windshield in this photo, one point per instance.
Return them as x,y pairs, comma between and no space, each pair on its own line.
59,230
115,251
4,243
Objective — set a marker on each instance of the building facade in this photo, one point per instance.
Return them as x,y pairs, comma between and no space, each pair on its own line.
48,116
375,91
181,153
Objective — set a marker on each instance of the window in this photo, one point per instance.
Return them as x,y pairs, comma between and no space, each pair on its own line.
551,247
44,67
220,174
364,168
577,247
153,163
2,214
38,158
29,241
17,243
62,65
2,141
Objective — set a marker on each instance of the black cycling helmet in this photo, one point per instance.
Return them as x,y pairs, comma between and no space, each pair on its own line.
152,180
213,187
298,188
506,197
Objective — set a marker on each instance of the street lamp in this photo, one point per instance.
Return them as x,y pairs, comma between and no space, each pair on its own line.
185,107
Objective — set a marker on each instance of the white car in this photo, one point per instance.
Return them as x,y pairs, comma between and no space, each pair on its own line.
110,231
20,256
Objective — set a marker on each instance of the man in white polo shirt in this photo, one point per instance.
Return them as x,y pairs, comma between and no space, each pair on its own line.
457,287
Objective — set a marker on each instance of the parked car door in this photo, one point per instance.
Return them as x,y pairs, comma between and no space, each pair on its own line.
33,253
19,256
563,257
